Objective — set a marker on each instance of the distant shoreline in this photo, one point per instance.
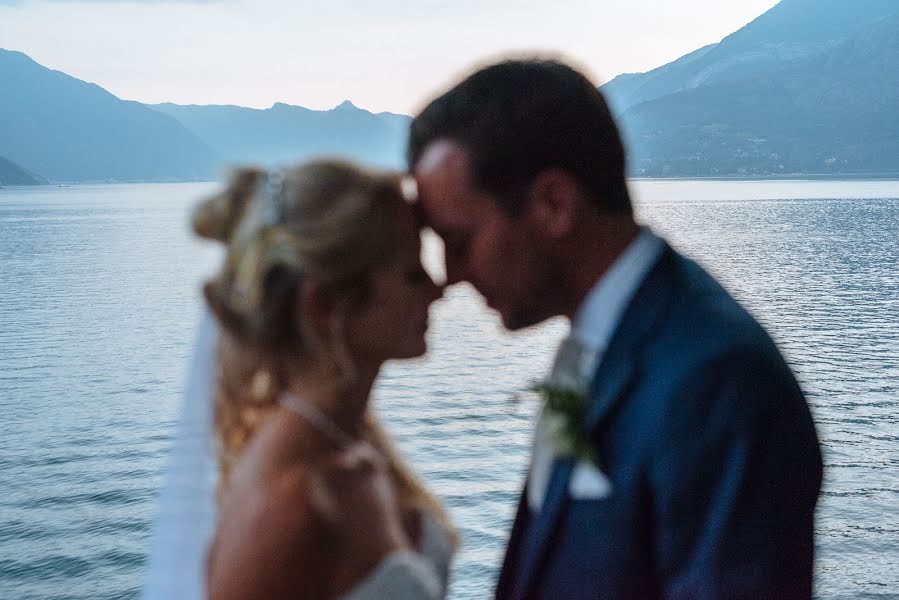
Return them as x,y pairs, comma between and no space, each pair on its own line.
744,178
790,177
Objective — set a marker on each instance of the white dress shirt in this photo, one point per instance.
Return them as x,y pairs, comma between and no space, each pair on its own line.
591,331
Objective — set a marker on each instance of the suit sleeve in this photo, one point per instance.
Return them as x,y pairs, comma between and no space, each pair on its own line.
734,479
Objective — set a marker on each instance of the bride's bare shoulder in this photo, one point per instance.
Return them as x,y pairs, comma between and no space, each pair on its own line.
269,516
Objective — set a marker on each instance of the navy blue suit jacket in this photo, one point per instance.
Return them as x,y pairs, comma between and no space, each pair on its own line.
711,452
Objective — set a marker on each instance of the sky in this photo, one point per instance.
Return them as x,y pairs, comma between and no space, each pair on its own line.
383,55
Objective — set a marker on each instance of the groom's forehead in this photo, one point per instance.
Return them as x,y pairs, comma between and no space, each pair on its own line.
445,186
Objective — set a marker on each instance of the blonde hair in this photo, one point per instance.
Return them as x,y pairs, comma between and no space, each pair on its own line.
328,220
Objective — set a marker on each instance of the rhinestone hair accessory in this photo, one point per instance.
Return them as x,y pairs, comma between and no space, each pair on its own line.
272,198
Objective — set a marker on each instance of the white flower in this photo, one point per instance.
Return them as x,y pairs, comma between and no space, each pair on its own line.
562,420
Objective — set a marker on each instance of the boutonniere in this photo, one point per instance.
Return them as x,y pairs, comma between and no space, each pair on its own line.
564,411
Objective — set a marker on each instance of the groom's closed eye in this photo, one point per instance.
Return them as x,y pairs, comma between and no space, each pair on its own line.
457,244
417,275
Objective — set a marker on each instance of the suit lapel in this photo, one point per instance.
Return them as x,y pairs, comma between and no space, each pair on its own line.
620,364
543,524
616,371
513,548
608,389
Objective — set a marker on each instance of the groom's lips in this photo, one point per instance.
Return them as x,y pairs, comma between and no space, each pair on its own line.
488,300
488,295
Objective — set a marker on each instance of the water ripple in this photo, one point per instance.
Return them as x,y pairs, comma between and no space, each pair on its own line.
99,293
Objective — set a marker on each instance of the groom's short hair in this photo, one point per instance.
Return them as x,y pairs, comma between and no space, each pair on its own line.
519,117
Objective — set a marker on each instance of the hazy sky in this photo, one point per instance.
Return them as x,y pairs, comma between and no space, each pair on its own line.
384,55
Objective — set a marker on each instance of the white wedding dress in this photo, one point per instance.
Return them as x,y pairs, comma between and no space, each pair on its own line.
186,517
420,575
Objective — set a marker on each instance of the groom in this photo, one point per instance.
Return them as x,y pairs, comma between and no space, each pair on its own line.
704,466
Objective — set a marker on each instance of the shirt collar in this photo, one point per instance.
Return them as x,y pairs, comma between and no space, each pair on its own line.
602,308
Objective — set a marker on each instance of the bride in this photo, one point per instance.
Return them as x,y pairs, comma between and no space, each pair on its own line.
321,284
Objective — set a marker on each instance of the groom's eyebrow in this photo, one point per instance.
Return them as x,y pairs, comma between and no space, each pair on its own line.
447,237
446,233
440,229
456,241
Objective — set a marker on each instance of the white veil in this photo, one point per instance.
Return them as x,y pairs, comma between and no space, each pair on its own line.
187,509
187,506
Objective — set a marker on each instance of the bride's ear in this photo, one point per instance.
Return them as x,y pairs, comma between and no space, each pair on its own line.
317,303
323,325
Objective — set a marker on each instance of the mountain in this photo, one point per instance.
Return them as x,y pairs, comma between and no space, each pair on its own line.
13,174
791,30
808,87
70,130
285,133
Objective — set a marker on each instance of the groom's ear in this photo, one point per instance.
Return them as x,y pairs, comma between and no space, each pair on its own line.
555,196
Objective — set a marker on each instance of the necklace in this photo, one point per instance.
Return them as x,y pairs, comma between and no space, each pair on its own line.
319,420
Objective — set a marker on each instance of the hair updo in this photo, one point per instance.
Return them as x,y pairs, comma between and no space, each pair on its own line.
328,220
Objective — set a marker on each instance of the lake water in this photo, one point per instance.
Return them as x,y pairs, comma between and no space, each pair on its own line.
99,300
